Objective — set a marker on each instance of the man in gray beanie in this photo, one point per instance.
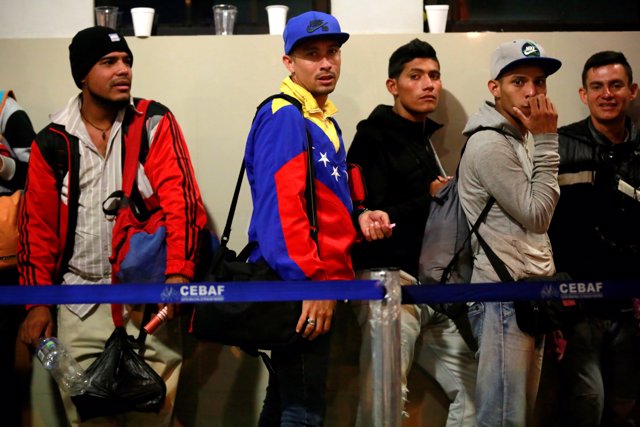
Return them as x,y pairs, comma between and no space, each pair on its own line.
66,237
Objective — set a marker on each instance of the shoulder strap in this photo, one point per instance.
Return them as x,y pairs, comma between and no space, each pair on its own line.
62,154
485,211
496,262
132,143
474,229
309,190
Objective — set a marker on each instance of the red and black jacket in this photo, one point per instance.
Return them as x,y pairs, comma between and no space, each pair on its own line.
48,219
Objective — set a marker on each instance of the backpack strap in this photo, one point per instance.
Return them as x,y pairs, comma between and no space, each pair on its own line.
132,141
483,215
62,153
496,262
309,189
474,229
132,144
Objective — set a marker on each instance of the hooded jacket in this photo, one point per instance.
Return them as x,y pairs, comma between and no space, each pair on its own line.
526,190
398,164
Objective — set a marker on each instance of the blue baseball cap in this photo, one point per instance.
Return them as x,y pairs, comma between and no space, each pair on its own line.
311,25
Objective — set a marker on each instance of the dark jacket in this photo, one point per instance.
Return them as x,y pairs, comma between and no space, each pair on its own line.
595,232
398,164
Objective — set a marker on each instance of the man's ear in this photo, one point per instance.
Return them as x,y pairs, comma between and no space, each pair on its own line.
494,88
392,86
583,95
634,90
288,63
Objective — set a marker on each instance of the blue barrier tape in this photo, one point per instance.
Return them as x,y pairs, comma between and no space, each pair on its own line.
544,290
192,292
291,291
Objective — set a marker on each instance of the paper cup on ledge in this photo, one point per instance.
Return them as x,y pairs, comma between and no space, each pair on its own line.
142,20
277,14
437,17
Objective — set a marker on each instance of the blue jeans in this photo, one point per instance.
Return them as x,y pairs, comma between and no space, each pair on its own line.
509,365
297,387
601,360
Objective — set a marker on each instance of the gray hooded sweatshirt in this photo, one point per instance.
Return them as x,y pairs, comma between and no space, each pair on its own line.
525,186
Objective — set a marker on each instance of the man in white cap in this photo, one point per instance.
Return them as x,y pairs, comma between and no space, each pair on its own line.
512,156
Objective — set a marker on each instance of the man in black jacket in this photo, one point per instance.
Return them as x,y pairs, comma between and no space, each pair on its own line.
402,173
595,235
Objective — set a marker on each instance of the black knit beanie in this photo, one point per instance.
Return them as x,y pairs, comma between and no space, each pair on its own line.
91,44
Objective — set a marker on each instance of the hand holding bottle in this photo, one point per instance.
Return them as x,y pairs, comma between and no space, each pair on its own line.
67,372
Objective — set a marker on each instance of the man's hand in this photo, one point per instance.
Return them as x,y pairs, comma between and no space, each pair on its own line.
374,225
173,309
560,344
38,323
543,117
437,184
315,318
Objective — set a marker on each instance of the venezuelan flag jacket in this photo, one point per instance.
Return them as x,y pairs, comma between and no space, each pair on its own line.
276,164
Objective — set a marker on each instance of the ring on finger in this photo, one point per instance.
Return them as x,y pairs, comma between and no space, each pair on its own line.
311,322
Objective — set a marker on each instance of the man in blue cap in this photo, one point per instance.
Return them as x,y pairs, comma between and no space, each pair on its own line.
276,164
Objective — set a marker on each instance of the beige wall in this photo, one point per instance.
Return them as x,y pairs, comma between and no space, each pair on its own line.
37,18
213,84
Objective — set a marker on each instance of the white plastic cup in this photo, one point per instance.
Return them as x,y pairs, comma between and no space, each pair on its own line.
224,18
107,16
142,20
277,14
437,17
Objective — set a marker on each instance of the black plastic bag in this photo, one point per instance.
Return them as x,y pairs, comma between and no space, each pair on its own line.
120,381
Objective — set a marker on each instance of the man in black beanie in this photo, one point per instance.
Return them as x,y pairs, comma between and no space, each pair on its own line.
66,237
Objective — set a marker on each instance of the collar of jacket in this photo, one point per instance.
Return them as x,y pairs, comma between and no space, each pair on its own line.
421,131
585,132
309,103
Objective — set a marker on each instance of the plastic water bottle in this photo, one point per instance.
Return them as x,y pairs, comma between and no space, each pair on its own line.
67,372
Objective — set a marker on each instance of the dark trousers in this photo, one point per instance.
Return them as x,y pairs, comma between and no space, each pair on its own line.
600,367
296,394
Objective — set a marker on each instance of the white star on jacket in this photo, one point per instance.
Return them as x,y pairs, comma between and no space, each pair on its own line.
335,173
324,159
